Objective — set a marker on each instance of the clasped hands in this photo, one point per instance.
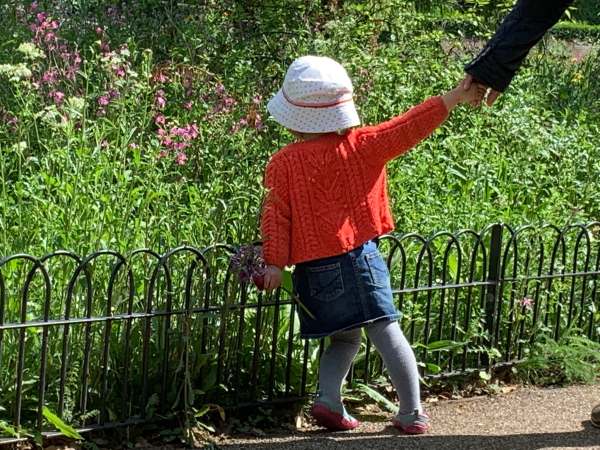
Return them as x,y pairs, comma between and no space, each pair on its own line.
490,95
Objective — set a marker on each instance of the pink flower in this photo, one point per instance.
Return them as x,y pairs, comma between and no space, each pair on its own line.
53,25
257,99
50,76
527,303
188,105
41,17
99,31
160,77
181,158
220,89
193,130
57,96
103,100
113,93
133,146
239,125
160,99
258,123
120,71
159,119
12,122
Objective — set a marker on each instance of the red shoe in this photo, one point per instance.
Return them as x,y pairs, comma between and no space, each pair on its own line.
415,423
332,420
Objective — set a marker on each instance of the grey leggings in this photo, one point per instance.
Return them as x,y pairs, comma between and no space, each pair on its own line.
397,356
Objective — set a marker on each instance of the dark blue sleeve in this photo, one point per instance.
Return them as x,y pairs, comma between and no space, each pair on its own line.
524,26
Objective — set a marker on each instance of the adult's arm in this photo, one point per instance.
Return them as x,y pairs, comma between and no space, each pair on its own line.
498,62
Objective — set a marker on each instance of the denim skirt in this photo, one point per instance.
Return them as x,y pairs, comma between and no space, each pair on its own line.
344,291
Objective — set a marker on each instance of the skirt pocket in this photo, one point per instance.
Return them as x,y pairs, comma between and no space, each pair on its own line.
325,283
380,274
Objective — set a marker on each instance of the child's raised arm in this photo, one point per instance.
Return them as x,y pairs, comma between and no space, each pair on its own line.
391,139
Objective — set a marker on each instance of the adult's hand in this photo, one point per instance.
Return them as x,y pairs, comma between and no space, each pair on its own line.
492,95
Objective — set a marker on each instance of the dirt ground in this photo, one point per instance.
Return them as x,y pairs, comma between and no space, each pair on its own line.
525,418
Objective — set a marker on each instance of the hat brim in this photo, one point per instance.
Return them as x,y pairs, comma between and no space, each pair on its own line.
312,120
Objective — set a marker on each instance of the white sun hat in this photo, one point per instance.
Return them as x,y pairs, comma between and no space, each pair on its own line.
316,97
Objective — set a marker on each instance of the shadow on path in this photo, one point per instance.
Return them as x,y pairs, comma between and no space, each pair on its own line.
589,437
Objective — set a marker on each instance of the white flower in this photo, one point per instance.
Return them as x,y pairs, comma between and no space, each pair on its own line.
30,51
15,72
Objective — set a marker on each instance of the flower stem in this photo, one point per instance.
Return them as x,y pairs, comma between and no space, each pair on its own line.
296,299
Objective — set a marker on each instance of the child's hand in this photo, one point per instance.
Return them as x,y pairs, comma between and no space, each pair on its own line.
273,278
474,95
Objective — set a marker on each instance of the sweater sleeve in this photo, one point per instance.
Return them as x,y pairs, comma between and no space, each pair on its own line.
391,139
276,215
522,28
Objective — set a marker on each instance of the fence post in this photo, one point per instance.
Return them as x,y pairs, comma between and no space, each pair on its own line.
491,294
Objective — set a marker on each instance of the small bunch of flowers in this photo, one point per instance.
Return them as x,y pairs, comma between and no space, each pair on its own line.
64,62
175,139
248,263
44,30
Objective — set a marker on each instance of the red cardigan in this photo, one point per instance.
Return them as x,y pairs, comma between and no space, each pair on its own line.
328,196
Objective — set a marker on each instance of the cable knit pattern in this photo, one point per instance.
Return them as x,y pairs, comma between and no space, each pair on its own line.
329,195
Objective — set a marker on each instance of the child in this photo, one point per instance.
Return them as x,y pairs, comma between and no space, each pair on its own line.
326,205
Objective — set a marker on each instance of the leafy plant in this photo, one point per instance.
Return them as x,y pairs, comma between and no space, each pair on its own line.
60,425
572,359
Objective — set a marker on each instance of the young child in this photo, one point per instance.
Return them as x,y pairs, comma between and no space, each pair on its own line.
326,205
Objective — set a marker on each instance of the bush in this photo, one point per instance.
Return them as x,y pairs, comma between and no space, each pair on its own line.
577,30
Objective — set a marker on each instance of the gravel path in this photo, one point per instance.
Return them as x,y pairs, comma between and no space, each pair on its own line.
526,418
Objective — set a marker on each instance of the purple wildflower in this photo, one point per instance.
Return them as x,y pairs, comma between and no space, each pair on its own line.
159,99
50,76
527,303
103,100
57,96
181,158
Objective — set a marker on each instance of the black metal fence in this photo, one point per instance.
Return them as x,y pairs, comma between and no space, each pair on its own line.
111,339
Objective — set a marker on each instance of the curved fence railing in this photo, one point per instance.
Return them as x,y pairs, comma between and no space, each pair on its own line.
111,339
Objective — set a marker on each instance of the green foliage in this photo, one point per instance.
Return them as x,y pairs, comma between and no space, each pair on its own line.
587,10
377,397
60,425
572,359
577,30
